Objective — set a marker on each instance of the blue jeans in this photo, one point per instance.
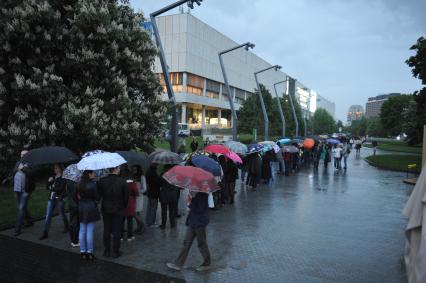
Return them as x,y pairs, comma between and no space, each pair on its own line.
272,169
21,203
243,175
86,237
51,204
345,160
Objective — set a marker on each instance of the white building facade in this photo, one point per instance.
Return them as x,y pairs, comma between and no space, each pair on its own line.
191,48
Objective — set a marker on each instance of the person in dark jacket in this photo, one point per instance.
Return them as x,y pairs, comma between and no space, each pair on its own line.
88,213
196,222
194,144
266,167
169,196
254,170
56,186
153,193
230,175
74,223
114,193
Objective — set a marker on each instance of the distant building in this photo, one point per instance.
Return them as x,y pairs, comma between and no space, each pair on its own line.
374,104
355,113
325,104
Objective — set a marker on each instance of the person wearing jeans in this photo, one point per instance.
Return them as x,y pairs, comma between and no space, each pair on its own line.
22,196
57,190
88,213
196,223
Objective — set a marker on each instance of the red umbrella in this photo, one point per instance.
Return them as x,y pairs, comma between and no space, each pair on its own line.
217,148
234,157
191,178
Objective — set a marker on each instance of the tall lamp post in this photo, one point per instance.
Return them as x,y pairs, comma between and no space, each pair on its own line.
280,109
292,91
170,93
247,46
262,104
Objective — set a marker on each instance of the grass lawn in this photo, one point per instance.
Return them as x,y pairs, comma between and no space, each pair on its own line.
8,211
399,146
395,162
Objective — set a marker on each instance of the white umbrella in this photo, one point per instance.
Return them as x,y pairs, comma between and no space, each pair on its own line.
102,160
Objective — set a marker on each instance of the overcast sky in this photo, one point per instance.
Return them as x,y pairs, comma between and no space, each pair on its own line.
346,50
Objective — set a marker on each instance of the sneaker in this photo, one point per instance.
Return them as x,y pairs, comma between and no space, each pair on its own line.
75,245
203,267
131,239
173,266
90,256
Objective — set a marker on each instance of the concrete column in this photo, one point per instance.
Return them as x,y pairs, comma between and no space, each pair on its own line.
184,82
205,87
219,117
183,114
424,146
220,92
203,117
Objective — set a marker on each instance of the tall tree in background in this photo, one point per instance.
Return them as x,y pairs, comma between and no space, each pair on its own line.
375,127
75,73
391,112
323,122
418,65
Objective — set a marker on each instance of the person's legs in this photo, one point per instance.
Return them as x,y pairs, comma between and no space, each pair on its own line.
202,245
129,227
51,204
89,237
231,192
187,243
83,237
243,175
116,225
172,213
74,225
21,203
107,219
163,214
151,214
345,160
61,208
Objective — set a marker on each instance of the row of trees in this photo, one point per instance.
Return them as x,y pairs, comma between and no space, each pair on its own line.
75,73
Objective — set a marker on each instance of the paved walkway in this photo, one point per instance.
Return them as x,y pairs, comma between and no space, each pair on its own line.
309,227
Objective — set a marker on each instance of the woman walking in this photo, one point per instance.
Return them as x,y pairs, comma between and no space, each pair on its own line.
88,213
56,186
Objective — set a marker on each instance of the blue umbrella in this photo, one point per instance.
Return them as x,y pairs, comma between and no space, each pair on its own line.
207,164
333,141
254,148
72,173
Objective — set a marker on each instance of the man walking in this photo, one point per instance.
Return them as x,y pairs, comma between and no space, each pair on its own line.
114,193
153,192
196,228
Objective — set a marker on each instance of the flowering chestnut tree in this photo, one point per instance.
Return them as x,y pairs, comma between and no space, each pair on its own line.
76,73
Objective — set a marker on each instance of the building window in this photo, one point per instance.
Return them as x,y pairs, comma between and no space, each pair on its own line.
212,89
239,96
194,90
176,79
195,84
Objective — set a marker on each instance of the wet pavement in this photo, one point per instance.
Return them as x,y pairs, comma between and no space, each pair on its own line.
309,227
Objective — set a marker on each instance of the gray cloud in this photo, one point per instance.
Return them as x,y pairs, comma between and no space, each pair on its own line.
345,50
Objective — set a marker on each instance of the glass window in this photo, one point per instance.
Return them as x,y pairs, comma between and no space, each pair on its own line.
194,90
212,89
195,81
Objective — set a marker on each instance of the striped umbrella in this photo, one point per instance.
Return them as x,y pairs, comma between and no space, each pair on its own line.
165,157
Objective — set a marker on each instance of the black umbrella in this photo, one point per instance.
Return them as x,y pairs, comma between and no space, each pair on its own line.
135,158
49,155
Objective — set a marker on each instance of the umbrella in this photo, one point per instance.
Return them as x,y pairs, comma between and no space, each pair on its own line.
135,158
89,153
270,145
102,160
236,147
255,147
72,173
308,143
217,148
284,141
234,157
49,155
191,178
323,137
165,157
333,141
290,148
207,164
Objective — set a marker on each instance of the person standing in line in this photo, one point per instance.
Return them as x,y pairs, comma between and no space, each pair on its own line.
266,168
337,151
280,160
255,170
316,154
23,186
287,162
56,186
345,153
243,168
196,223
139,176
351,142
130,211
327,155
114,193
168,200
88,213
230,175
153,193
74,223
194,144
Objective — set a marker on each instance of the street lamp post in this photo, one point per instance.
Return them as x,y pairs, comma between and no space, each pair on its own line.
225,78
170,93
262,104
292,91
280,109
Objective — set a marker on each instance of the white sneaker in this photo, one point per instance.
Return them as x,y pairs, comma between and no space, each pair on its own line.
131,239
173,266
75,245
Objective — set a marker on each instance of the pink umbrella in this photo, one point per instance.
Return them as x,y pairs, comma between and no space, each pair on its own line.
217,148
191,178
234,157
